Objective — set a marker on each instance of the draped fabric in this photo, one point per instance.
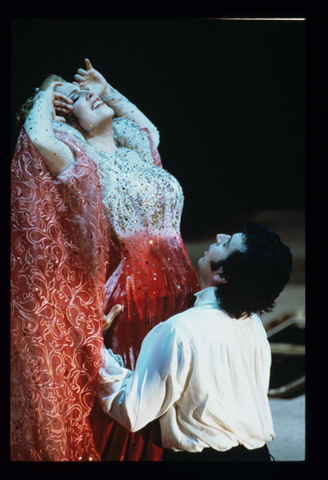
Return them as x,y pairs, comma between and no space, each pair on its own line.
153,281
59,260
70,265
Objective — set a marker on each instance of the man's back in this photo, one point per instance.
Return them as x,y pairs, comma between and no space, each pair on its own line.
225,400
203,374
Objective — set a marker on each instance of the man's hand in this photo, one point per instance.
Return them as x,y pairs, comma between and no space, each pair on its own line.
91,79
108,319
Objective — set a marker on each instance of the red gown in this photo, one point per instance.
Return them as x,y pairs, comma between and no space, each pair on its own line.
142,262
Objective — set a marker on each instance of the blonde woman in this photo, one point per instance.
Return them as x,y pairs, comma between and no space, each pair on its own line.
95,223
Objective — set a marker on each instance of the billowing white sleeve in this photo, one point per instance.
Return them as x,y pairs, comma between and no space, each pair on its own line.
136,398
124,108
56,154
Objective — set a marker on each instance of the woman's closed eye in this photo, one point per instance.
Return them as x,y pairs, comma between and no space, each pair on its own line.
74,98
75,95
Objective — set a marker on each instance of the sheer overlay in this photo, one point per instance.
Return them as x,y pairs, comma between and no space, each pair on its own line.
111,237
59,264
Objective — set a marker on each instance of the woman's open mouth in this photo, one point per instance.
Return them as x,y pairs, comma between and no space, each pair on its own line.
97,103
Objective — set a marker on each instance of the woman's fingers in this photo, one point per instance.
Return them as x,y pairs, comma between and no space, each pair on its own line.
81,71
82,74
60,119
62,106
88,64
64,98
62,111
53,85
79,78
61,100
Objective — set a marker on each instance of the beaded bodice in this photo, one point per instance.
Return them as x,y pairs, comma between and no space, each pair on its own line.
137,194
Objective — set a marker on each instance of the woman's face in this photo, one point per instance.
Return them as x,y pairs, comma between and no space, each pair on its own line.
89,110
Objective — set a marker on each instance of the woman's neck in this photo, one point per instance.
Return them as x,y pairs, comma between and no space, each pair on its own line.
102,143
101,138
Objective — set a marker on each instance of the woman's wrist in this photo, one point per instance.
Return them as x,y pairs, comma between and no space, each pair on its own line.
42,104
107,93
112,96
38,95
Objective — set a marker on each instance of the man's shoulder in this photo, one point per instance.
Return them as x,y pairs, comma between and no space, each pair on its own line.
189,320
258,325
180,319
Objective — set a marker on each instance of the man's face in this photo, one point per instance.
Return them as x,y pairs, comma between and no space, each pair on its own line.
218,251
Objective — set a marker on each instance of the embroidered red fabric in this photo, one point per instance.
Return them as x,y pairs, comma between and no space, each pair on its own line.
153,280
59,261
68,268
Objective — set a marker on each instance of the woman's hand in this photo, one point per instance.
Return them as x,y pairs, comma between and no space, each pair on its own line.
61,105
91,79
108,319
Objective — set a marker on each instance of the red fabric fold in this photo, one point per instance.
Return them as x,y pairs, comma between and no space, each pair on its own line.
69,267
153,281
58,268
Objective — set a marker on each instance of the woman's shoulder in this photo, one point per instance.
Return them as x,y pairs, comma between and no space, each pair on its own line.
66,131
124,126
127,134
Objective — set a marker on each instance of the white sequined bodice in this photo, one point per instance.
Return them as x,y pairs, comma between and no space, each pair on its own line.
137,194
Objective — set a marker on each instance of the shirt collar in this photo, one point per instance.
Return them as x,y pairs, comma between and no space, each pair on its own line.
206,297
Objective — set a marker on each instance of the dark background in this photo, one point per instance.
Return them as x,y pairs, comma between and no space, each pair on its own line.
229,100
227,96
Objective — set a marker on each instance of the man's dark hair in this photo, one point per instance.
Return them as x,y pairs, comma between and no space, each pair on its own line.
255,277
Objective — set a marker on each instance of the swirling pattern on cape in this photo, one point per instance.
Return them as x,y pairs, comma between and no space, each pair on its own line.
70,264
59,260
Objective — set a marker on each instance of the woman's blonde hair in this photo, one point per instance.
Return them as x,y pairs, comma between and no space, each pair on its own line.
24,110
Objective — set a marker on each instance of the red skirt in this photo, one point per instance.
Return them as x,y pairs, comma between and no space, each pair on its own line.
153,281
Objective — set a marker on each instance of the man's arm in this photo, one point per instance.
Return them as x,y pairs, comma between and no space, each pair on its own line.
136,398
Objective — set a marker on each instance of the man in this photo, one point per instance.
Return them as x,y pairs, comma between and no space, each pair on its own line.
205,372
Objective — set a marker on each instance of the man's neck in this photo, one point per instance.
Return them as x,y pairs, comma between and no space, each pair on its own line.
204,284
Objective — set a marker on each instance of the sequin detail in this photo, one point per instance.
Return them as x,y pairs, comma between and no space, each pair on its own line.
57,298
137,194
149,273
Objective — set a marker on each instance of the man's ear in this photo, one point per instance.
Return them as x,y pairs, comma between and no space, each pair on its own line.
219,276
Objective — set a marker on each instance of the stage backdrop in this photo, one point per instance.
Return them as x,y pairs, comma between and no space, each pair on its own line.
227,96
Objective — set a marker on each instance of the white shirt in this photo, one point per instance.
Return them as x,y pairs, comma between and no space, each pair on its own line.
203,373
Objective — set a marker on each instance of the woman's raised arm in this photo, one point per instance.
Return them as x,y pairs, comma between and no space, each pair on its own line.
55,153
122,107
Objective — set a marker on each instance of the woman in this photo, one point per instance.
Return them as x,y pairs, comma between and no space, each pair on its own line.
141,260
